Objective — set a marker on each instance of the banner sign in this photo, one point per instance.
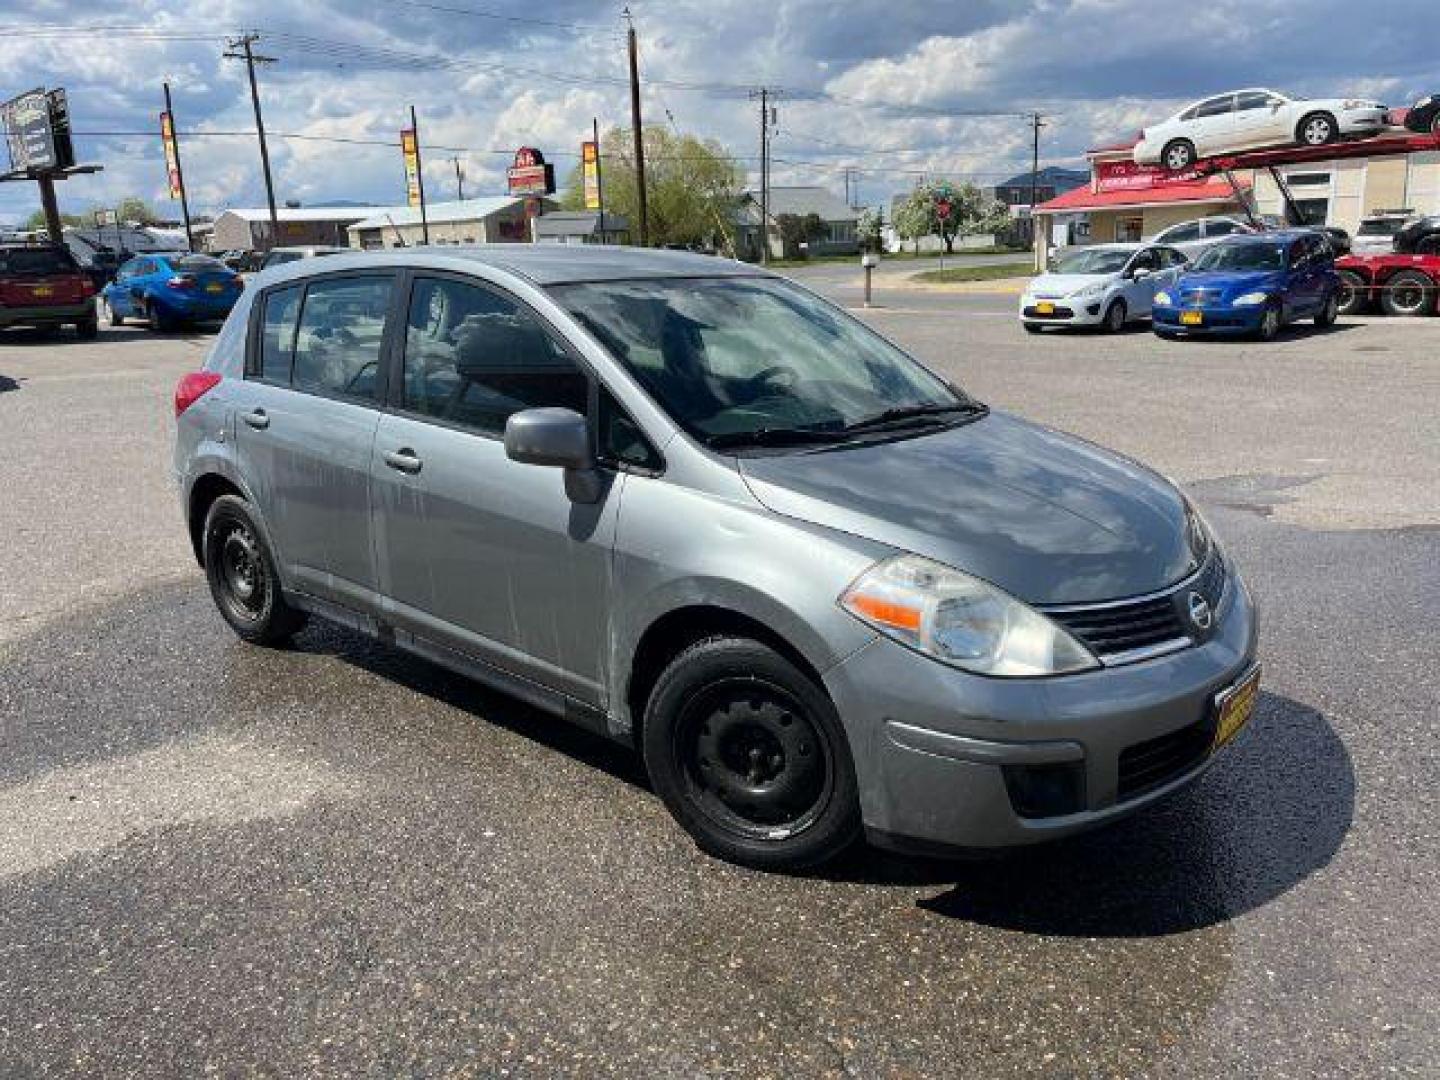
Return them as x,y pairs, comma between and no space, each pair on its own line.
410,147
28,132
172,156
590,169
1128,176
530,175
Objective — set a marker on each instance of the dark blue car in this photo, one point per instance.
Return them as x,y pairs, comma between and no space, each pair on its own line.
165,289
1253,284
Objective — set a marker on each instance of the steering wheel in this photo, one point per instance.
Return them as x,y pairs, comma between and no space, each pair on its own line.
781,374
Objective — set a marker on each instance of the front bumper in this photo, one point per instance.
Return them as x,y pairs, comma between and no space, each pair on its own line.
938,751
52,315
1363,121
1214,320
1067,311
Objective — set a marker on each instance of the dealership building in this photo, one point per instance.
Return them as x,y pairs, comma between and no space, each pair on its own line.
1335,185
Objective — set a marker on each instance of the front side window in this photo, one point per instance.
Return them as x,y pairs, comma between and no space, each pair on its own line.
277,334
1182,233
1090,261
473,357
1253,100
342,326
737,359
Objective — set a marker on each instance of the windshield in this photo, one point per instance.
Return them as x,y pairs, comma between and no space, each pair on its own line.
1242,257
1092,261
734,358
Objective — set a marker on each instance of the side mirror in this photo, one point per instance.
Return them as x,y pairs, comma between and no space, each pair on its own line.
1141,272
558,438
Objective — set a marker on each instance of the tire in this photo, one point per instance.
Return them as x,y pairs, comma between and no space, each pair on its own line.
1354,296
1317,129
1408,294
749,755
1326,316
242,577
88,331
1033,328
116,319
157,320
1435,125
1178,155
1270,324
1115,316
1429,245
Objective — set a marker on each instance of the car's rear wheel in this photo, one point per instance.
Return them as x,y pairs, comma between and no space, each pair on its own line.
1408,294
157,319
241,572
88,330
749,754
1115,316
1178,155
1327,314
116,319
1269,324
1354,295
1317,129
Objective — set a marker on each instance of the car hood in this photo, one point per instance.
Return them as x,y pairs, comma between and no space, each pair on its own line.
1047,517
1058,285
1231,283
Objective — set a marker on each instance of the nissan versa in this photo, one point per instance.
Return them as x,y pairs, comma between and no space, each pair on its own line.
693,507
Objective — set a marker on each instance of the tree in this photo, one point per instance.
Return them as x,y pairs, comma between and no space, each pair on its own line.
795,230
968,211
690,185
131,210
867,229
36,221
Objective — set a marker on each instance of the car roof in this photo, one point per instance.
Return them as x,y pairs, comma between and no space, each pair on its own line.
541,264
1284,236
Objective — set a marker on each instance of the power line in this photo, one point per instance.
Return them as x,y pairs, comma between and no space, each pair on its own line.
479,14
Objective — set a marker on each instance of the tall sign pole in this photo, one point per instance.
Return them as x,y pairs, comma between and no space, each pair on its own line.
173,167
420,179
639,130
599,176
248,55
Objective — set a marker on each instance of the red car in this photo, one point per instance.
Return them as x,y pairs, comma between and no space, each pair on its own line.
44,287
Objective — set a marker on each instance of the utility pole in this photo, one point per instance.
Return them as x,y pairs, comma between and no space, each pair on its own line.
248,55
1035,125
420,179
459,179
639,130
175,148
599,176
767,120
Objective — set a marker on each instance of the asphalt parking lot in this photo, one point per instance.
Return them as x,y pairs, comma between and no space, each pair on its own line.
337,859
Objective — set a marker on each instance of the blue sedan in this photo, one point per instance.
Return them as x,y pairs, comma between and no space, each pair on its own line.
1253,284
166,289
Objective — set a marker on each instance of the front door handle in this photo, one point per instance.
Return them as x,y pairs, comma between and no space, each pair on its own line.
403,460
257,419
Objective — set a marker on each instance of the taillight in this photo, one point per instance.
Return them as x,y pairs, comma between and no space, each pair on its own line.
192,387
181,281
87,287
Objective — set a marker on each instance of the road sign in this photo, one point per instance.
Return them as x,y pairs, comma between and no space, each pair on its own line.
942,209
530,175
410,148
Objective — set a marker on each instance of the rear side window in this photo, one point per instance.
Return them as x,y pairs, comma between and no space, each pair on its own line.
36,262
338,341
1221,228
277,334
1217,106
474,357
1182,233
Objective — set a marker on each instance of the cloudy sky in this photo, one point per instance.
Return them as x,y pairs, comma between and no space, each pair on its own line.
892,89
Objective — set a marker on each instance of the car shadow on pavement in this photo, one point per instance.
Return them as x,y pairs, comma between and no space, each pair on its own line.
1272,811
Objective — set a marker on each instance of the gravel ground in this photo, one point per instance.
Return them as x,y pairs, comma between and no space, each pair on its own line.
338,860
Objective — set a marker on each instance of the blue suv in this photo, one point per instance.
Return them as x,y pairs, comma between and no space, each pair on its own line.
165,288
1254,285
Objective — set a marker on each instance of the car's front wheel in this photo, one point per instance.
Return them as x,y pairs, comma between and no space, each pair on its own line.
241,572
1317,129
1269,327
749,754
1115,316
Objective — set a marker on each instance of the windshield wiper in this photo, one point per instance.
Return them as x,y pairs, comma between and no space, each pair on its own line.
902,413
774,436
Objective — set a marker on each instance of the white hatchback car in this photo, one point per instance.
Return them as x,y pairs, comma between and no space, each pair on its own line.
1248,119
1106,285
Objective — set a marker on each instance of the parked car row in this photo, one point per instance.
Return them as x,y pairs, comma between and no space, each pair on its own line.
1248,283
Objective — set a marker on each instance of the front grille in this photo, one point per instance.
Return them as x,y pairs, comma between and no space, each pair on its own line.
1147,625
1149,764
1058,313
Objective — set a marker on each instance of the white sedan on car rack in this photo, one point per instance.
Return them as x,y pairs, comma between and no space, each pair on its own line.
1249,119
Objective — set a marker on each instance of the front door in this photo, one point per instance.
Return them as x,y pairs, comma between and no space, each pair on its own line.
305,420
477,552
1213,129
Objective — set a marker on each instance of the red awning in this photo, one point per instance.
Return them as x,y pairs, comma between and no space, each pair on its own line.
1214,190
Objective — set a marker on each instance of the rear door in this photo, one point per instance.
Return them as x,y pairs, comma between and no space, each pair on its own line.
307,415
477,552
1140,287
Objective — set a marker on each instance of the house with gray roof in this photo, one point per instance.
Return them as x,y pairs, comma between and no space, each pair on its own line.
838,221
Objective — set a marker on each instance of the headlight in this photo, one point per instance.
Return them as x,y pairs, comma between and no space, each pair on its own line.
1358,104
1163,298
1250,299
1089,291
961,620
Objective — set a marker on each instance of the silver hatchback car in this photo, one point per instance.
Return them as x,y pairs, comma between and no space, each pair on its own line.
697,509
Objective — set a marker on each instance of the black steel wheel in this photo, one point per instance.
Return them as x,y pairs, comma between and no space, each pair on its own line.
1408,294
749,755
1354,297
242,578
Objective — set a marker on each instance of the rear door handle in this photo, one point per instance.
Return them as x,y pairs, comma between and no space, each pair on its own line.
403,460
257,419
